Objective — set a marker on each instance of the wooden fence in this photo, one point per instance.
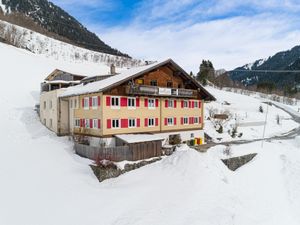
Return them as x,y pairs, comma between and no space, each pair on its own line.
132,152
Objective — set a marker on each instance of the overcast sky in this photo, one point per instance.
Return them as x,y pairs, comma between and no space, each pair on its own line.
230,33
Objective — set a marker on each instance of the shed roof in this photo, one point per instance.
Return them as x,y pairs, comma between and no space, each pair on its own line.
137,138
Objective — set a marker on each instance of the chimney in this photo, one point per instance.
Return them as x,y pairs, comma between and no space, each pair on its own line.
112,69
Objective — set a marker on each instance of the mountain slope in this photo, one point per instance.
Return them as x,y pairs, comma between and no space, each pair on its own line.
43,182
43,16
285,60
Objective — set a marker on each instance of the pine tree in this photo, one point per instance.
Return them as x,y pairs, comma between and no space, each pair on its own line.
206,72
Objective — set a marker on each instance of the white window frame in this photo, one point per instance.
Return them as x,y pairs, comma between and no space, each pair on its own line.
76,100
87,123
86,103
185,103
95,124
76,122
187,120
112,123
170,121
95,100
129,125
129,99
151,103
149,123
171,103
196,118
112,99
196,104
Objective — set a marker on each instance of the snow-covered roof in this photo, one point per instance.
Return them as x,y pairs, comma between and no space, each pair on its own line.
137,138
102,84
63,82
124,76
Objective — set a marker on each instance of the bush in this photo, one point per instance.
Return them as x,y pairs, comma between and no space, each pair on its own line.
174,139
261,109
104,163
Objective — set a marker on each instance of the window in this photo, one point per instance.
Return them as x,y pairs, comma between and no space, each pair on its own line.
153,82
185,120
75,103
115,123
77,123
151,103
45,104
195,104
170,103
131,102
131,123
95,123
95,102
151,122
115,101
87,123
170,121
185,104
196,120
50,122
169,84
86,103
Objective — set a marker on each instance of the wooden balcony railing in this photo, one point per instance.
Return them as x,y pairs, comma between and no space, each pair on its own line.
160,91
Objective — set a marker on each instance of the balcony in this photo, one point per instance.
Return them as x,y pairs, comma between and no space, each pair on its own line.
160,91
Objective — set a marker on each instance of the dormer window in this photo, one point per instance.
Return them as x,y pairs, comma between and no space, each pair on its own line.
153,82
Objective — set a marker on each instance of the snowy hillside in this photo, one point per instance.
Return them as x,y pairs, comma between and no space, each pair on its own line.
51,48
44,183
245,115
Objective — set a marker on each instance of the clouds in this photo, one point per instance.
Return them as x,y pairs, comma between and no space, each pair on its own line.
230,33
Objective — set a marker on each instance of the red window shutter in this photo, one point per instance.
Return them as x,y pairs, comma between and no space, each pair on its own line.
156,103
200,121
108,123
166,121
138,121
123,101
91,123
156,121
137,102
124,123
99,123
98,100
175,120
193,104
166,103
146,122
200,104
82,102
181,120
146,102
81,122
182,103
90,101
190,104
107,100
192,120
175,103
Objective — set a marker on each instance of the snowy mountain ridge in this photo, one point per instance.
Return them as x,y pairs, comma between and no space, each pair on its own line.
40,44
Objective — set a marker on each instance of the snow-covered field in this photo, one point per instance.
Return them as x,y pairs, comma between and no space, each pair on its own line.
245,113
42,182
